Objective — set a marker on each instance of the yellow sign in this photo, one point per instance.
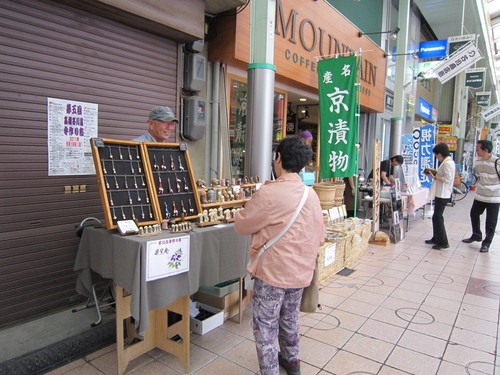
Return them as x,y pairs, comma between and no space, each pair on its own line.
444,131
452,143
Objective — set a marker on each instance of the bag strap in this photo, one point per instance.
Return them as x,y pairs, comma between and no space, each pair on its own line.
278,236
496,166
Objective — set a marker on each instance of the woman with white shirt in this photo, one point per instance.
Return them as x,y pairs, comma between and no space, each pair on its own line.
441,190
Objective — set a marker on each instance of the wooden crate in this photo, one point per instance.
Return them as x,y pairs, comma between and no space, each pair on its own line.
357,243
331,258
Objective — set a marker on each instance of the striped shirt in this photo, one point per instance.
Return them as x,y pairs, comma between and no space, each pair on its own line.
488,186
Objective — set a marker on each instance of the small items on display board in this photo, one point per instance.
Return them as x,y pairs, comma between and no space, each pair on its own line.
147,187
124,184
144,182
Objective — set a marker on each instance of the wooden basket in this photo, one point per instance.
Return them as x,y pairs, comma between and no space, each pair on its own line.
339,193
325,255
326,193
357,243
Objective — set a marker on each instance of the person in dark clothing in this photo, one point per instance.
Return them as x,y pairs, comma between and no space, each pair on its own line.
387,169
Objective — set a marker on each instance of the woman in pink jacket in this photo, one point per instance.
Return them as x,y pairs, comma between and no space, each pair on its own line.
285,268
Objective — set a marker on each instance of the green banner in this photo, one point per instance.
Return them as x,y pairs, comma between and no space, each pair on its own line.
483,99
474,80
338,121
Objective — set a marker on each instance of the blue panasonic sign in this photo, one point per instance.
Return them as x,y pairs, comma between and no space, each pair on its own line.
424,108
433,49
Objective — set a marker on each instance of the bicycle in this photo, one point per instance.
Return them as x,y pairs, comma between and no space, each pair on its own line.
460,191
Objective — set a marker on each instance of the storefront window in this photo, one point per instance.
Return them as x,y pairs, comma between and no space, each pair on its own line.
238,99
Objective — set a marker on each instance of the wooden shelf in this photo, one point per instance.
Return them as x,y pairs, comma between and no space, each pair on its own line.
239,202
242,186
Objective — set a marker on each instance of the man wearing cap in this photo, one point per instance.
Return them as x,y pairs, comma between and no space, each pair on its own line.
161,124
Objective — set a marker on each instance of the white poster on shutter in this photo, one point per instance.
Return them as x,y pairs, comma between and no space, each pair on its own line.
70,125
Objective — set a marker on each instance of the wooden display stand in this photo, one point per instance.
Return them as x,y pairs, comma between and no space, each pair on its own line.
145,182
228,203
158,335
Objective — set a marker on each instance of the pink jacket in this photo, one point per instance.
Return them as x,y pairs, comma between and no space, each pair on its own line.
290,262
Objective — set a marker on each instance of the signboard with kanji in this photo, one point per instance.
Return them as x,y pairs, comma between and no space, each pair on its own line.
458,62
425,135
483,98
338,121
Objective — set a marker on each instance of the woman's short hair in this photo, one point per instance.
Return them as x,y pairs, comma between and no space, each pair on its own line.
294,152
442,149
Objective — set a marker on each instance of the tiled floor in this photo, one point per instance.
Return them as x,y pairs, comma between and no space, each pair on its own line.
407,309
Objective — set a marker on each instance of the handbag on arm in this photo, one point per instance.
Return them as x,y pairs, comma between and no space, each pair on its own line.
268,244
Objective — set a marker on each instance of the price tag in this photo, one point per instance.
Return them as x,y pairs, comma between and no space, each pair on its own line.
127,227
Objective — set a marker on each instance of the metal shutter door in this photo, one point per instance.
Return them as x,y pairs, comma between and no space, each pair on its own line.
51,50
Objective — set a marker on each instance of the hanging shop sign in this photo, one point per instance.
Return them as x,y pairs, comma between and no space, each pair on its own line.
443,132
474,78
70,125
435,114
389,100
491,112
305,33
167,257
424,108
425,70
483,98
338,120
456,42
426,159
458,62
452,143
433,49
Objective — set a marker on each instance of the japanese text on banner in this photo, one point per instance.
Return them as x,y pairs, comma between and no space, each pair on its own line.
426,137
338,123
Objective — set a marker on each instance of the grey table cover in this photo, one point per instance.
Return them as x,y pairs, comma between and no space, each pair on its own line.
217,254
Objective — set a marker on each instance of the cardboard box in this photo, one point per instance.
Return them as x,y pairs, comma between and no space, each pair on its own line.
229,303
203,326
221,289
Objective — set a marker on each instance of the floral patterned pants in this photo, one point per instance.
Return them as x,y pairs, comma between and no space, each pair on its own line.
275,319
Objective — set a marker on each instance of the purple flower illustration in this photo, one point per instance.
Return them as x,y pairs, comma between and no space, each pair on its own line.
175,261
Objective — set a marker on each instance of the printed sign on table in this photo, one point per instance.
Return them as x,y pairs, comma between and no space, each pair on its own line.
167,257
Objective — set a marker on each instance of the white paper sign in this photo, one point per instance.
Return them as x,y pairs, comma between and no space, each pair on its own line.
70,125
167,257
491,112
457,62
330,254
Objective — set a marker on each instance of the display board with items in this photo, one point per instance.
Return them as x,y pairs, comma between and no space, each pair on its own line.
173,180
126,191
144,182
